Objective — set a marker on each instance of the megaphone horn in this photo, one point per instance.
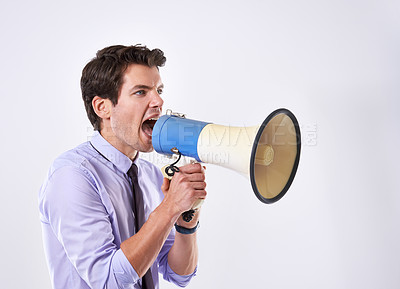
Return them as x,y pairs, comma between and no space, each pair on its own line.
268,154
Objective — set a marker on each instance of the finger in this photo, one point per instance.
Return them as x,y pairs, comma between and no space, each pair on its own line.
198,185
196,177
165,185
191,168
200,194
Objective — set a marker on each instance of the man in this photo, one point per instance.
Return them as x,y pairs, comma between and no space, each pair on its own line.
94,195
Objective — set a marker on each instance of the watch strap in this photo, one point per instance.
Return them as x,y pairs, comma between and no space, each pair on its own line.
186,231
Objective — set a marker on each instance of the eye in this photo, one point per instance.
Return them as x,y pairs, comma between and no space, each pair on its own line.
159,91
140,92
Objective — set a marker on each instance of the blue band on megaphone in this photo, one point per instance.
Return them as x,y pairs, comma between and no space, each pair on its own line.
176,132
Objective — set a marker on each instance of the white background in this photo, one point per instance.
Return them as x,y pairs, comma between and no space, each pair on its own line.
335,64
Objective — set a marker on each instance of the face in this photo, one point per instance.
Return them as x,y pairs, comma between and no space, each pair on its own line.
139,106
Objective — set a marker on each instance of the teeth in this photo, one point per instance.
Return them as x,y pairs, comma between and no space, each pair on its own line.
153,118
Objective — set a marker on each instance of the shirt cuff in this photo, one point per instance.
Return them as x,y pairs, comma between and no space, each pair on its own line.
180,280
123,270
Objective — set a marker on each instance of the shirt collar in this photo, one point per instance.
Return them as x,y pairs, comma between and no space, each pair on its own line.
117,158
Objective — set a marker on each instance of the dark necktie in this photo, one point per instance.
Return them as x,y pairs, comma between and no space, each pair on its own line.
138,210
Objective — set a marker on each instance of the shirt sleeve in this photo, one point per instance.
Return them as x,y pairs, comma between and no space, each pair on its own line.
80,222
164,268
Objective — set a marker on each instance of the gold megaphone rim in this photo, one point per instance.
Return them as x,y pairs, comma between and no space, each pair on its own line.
254,150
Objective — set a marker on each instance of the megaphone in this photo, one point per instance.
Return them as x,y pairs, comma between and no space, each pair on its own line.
268,155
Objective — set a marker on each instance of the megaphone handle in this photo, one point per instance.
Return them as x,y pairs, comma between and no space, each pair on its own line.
188,215
170,171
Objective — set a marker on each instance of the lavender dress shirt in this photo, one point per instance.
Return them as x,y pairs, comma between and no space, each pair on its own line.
86,213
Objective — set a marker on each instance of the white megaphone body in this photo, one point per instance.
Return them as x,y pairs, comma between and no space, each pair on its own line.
268,155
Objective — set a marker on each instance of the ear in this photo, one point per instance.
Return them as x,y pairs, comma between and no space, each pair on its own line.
102,107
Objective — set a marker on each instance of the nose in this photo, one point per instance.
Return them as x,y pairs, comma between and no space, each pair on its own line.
156,100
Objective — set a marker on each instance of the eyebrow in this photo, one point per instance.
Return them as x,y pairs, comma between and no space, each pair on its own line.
143,86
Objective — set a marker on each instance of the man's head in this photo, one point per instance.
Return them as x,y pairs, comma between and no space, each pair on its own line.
103,75
121,89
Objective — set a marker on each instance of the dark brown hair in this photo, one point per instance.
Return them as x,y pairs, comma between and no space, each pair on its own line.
103,75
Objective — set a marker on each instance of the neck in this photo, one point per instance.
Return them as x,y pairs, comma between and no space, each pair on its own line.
122,147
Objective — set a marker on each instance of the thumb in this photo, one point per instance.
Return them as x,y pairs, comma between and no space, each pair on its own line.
165,186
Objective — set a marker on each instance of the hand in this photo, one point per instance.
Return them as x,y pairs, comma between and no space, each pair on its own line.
185,188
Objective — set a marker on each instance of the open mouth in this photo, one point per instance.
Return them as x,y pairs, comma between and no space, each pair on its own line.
148,125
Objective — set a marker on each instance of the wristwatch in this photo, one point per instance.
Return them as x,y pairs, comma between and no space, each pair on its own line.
186,231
